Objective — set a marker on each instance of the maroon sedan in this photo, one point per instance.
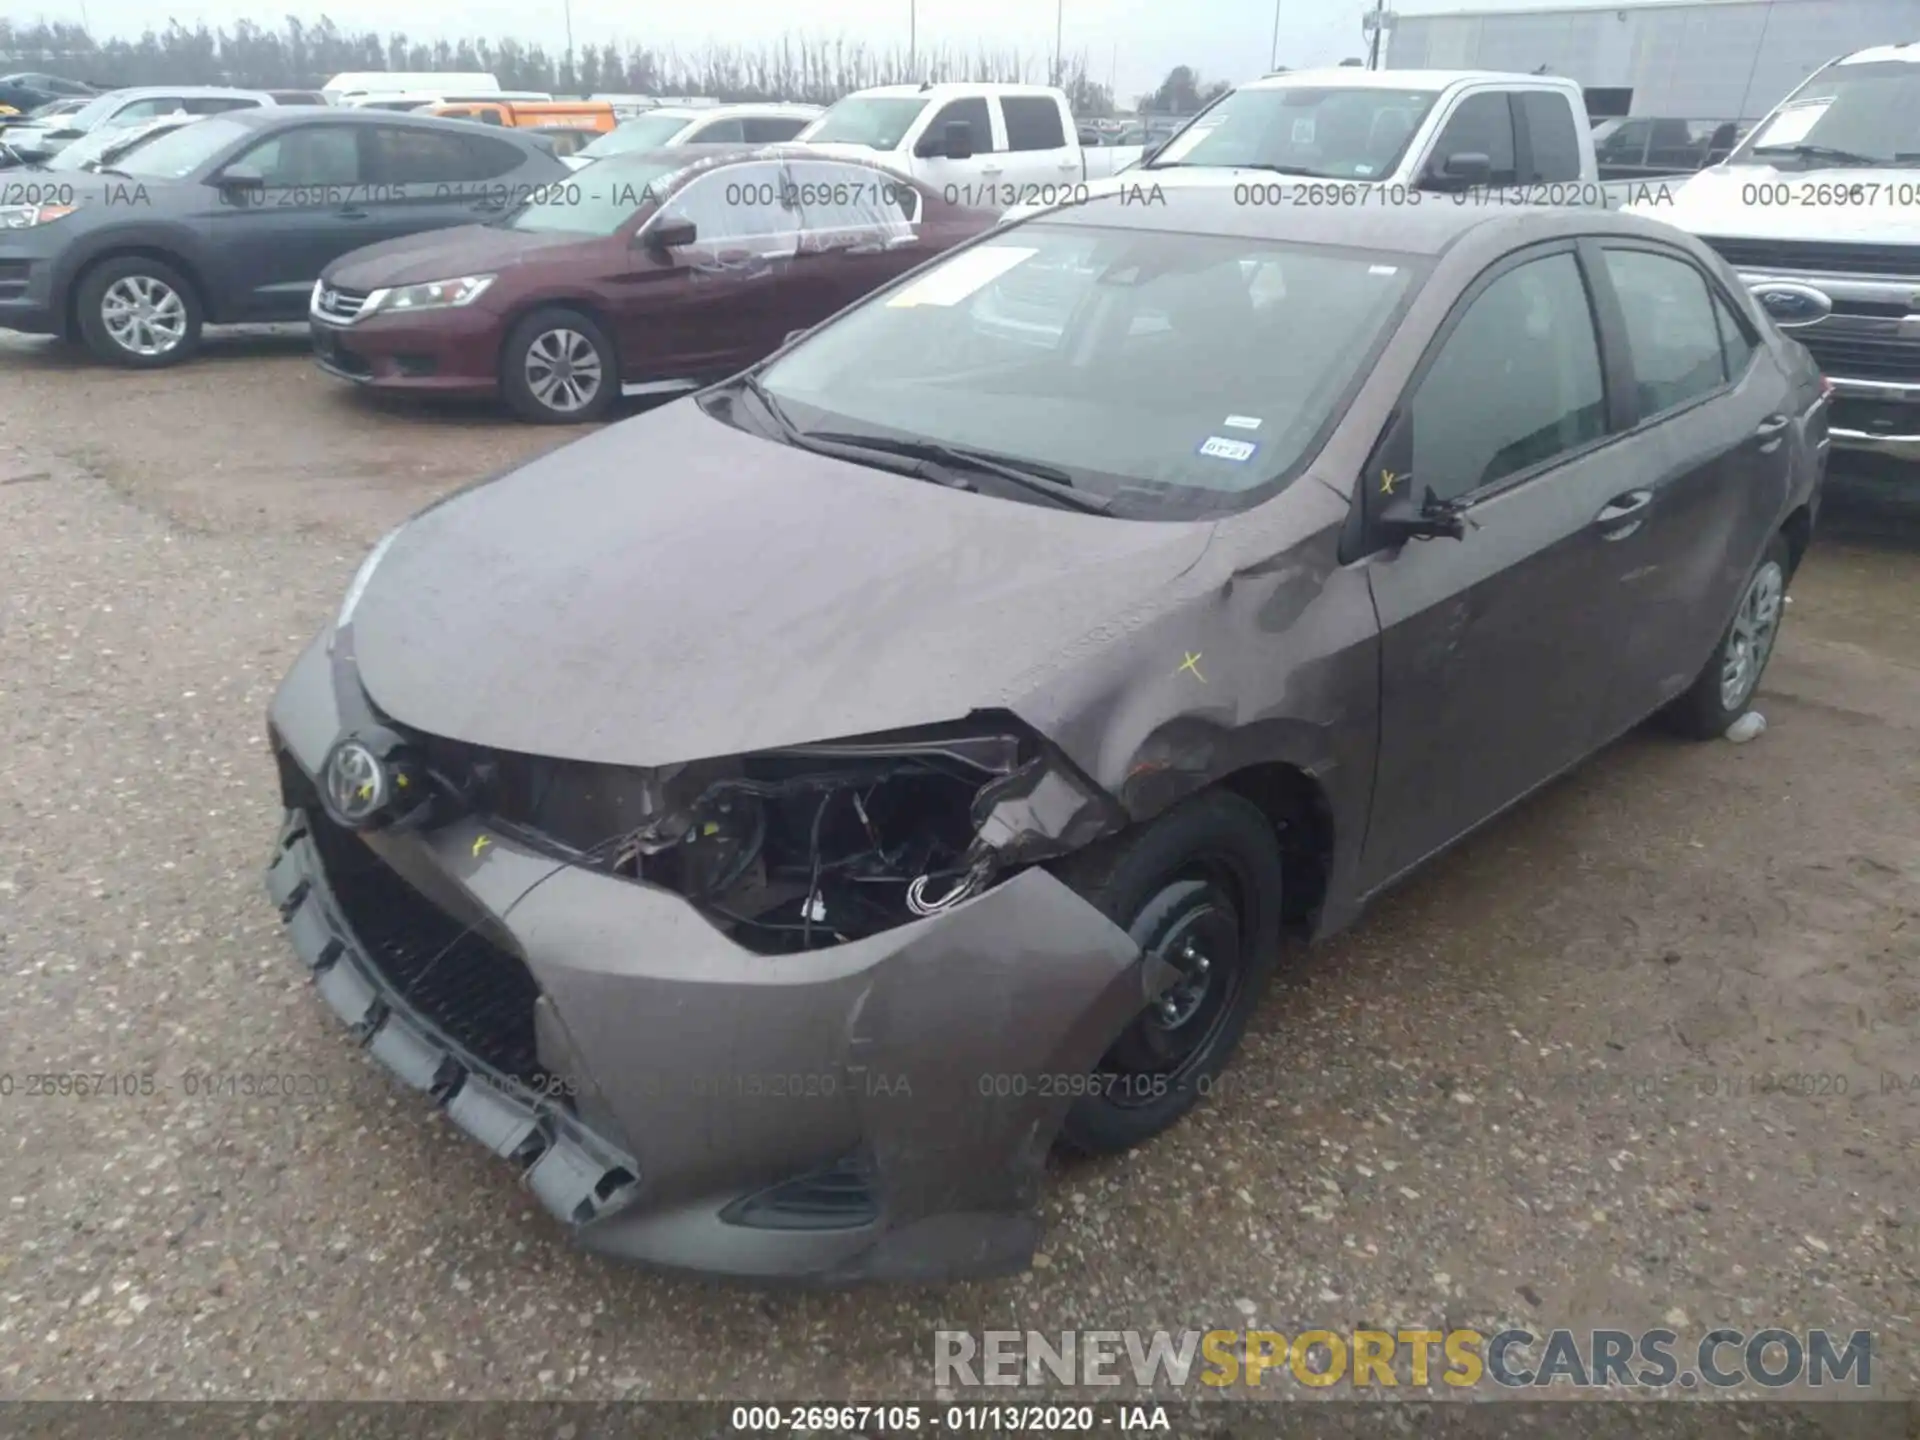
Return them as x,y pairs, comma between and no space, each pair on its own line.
641,274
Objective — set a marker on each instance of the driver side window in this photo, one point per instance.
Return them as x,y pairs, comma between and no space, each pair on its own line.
1481,125
313,155
739,207
1515,384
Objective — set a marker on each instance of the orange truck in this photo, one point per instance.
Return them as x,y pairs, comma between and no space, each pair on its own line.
594,115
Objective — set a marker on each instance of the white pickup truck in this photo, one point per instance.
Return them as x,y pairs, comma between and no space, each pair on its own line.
1356,137
984,146
1819,210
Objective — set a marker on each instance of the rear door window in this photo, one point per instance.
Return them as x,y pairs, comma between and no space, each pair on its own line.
843,206
1553,144
1672,336
1033,122
718,132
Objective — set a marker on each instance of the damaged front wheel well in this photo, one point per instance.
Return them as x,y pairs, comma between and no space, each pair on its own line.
1297,807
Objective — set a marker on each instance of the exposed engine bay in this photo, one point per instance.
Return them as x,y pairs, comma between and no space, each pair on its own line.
798,849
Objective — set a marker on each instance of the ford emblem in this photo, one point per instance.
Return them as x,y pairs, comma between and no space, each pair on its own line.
1793,305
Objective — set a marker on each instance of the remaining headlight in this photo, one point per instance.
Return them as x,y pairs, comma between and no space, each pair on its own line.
25,217
430,295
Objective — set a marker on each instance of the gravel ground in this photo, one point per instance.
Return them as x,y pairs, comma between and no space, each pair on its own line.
1529,1088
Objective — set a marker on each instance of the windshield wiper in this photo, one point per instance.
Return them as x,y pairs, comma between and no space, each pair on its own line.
1821,152
856,449
1030,475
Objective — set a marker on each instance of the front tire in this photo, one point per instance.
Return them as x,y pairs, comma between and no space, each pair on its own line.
139,313
1724,688
558,368
1199,889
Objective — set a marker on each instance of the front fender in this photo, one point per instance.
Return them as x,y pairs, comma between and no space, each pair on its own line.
149,235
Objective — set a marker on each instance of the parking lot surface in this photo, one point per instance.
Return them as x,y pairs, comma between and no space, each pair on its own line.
1644,1051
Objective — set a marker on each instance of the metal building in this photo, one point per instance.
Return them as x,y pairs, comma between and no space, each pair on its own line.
1734,59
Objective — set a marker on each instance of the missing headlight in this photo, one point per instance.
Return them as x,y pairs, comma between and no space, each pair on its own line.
804,849
797,849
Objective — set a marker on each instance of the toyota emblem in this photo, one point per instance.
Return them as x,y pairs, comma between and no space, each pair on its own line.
357,785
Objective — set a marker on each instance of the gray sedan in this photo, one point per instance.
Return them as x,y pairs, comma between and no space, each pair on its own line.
774,822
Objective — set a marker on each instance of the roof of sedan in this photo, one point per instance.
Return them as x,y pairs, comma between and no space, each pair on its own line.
1425,226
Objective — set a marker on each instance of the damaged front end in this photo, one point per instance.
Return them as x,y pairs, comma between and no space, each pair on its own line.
806,847
784,1015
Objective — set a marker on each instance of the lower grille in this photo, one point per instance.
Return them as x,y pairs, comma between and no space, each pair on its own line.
1860,357
478,996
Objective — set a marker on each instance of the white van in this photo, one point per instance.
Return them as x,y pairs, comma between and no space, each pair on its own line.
343,87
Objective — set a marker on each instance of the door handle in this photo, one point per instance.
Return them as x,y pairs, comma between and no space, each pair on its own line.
1621,516
351,212
1770,431
991,169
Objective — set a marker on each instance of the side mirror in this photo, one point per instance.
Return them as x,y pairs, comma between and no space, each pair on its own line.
1461,171
241,178
1393,503
665,235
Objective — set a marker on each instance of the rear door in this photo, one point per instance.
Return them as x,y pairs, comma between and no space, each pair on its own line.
429,178
1708,416
1495,649
1040,153
857,232
724,306
273,243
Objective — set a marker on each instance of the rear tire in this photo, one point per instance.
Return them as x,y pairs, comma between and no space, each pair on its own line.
138,313
1723,690
558,368
1199,888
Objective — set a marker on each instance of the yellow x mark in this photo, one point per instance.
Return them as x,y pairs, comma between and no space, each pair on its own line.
1192,662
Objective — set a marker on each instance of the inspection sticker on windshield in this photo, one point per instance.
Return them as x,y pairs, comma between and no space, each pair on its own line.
1242,422
961,276
1792,125
1218,447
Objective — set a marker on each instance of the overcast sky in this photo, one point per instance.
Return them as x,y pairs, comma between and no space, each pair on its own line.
1135,41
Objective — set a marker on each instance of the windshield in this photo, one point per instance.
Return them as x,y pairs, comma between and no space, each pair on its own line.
179,153
1339,134
1869,111
1178,375
647,133
94,111
881,121
108,145
598,205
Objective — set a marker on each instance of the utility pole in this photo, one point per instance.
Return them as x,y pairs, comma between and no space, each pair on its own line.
912,26
1273,59
1059,19
572,79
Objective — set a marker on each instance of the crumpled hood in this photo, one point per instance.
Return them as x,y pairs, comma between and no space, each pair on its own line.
1711,204
672,588
444,254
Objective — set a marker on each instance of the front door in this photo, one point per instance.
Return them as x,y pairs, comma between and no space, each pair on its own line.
1496,648
274,241
725,306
